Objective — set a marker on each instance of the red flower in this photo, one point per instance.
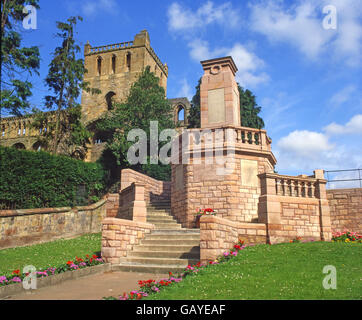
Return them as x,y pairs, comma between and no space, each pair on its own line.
17,271
170,274
69,263
139,296
94,256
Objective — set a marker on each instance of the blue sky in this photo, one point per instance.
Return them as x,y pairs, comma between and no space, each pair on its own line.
306,78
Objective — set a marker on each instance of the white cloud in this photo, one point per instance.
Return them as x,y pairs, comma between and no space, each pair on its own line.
301,26
307,144
353,126
91,8
248,63
342,96
185,90
181,18
308,150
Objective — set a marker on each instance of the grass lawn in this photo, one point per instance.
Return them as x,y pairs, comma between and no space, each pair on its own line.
49,254
281,271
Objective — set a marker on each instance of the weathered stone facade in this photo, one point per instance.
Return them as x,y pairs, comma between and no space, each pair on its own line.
112,69
30,226
346,209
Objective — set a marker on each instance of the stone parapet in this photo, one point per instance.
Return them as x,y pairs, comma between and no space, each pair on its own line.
345,209
155,190
30,226
218,235
119,236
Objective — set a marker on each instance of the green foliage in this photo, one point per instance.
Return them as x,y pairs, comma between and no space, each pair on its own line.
15,59
249,110
194,114
146,102
37,179
65,79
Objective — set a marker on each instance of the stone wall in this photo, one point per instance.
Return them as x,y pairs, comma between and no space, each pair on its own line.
294,207
119,236
30,226
218,235
155,190
346,209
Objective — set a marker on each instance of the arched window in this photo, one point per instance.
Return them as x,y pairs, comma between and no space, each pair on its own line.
128,61
180,113
99,65
19,146
109,99
37,146
114,64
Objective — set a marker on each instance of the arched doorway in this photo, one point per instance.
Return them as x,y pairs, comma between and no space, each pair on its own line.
19,146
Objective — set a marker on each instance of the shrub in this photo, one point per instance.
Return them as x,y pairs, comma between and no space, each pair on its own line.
38,180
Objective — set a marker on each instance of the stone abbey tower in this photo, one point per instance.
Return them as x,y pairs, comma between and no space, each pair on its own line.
112,69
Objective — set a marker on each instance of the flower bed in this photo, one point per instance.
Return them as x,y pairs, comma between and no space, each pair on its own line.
346,236
77,263
151,286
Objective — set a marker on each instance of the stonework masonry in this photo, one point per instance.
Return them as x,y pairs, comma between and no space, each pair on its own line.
112,69
346,209
30,226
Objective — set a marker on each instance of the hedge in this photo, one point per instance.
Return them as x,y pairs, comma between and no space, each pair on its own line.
31,179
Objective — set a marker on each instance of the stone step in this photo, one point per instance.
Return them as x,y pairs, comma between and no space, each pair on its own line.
166,247
149,268
167,225
185,242
162,261
161,219
158,209
177,231
176,236
166,254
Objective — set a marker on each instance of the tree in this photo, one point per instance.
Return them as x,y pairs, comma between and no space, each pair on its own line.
16,61
194,114
249,110
65,79
146,102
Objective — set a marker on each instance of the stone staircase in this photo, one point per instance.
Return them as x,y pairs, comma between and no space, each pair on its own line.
168,248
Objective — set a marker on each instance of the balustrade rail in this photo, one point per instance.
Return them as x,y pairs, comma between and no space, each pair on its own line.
109,47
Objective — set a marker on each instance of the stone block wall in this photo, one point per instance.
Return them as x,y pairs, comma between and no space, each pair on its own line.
155,190
218,235
346,209
119,236
294,207
31,226
112,205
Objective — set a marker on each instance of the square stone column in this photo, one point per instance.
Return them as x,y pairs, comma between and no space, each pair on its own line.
219,94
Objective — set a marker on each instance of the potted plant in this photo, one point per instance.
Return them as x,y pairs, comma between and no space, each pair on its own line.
203,212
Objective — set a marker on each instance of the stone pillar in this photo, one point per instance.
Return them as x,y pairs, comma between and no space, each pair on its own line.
219,94
269,208
87,48
139,205
325,216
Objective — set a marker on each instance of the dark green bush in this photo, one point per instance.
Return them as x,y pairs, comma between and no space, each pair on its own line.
38,180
